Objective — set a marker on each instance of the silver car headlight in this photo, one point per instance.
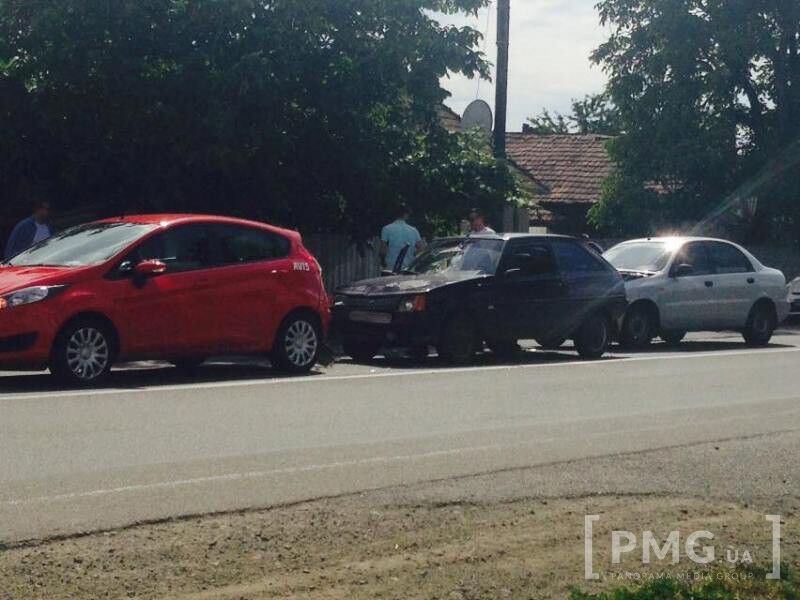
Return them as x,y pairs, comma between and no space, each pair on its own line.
30,295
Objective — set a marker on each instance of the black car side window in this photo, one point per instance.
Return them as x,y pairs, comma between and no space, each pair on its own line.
532,260
574,258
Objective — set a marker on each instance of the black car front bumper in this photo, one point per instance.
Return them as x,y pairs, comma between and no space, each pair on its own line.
389,329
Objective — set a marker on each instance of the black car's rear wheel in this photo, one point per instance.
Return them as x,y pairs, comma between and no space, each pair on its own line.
460,341
361,351
594,337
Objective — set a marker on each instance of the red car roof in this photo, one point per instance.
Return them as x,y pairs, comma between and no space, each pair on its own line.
167,220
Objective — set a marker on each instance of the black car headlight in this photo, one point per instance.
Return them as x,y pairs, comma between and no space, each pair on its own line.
414,304
30,295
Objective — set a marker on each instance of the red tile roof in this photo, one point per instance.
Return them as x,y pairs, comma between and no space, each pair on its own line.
569,168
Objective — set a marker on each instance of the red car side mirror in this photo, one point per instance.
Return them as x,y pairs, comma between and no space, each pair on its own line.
150,268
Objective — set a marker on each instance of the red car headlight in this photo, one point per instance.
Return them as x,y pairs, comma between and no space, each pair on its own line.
30,295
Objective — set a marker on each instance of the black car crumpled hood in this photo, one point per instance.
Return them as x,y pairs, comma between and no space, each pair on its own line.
406,284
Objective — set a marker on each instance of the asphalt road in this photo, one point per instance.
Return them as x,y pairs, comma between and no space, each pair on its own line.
153,444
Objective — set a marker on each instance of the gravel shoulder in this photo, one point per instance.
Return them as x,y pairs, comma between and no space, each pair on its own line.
517,534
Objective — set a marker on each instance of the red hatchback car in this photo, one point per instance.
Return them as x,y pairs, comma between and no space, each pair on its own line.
170,287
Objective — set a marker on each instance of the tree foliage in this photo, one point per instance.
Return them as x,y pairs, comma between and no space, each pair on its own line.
320,113
595,114
709,96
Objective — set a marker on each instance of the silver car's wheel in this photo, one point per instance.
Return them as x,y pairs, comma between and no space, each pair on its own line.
88,354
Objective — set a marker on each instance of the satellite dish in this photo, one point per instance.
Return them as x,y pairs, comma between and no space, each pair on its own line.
478,114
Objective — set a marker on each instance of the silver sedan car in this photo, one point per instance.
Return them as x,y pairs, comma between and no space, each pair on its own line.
681,284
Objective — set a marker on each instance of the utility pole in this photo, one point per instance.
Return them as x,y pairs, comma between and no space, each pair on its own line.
501,97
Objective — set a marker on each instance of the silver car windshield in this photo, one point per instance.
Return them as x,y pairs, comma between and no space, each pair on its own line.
650,257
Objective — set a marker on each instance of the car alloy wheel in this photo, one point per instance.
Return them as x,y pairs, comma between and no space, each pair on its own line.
301,343
297,345
88,354
83,352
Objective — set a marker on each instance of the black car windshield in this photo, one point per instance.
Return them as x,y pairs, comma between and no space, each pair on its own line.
650,257
462,258
82,246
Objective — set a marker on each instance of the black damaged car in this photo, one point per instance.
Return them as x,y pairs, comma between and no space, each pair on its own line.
495,290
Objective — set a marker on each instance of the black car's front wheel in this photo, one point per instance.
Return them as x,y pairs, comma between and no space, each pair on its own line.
460,341
83,353
297,345
594,337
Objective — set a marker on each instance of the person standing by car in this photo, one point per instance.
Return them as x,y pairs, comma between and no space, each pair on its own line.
398,236
477,223
30,231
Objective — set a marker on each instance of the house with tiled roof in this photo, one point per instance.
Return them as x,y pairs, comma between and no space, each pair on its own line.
565,175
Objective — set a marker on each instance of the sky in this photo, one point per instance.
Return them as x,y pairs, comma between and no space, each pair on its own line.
551,41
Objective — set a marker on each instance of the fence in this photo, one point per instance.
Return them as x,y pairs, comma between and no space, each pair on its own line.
343,261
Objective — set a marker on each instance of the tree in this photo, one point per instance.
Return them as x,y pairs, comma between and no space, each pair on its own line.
304,113
595,114
708,97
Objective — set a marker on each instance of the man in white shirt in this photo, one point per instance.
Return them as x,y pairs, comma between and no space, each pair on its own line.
477,223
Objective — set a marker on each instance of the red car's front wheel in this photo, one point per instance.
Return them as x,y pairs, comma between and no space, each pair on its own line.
83,353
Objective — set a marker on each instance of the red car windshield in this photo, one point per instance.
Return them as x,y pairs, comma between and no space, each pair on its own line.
82,246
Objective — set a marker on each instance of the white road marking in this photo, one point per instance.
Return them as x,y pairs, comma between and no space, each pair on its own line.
611,360
251,475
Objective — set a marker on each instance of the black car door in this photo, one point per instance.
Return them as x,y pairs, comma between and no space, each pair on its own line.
529,291
588,279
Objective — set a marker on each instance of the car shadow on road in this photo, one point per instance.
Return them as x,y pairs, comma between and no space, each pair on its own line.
528,356
148,375
531,355
694,347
